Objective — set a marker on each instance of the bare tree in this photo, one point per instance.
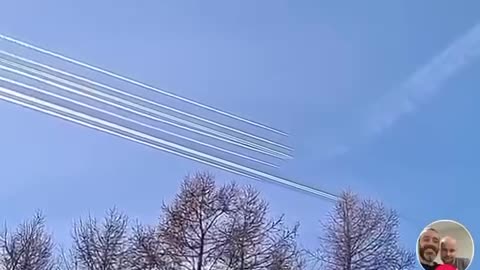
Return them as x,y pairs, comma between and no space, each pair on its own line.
101,246
190,227
30,247
147,251
66,260
206,227
253,241
362,235
223,227
285,254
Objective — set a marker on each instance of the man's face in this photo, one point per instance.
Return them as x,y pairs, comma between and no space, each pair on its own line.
448,251
429,245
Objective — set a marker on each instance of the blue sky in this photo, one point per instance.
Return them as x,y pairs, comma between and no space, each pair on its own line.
322,71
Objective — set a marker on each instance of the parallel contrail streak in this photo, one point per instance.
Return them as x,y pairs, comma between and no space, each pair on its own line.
192,154
118,91
99,128
215,135
109,73
230,138
134,121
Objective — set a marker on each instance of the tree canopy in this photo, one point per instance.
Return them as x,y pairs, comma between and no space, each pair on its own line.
208,226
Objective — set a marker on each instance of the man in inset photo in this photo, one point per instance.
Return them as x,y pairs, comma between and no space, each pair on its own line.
428,247
448,253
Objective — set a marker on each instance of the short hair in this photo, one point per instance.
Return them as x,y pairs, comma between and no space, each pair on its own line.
426,230
429,229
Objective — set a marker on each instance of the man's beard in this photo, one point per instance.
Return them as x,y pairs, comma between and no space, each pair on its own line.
428,253
448,260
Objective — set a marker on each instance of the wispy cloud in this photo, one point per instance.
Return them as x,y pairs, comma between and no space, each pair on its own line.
424,83
416,90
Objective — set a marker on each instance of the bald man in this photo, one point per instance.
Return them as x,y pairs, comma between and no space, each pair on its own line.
448,253
428,246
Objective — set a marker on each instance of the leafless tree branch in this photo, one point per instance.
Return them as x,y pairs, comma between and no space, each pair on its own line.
30,247
101,246
362,235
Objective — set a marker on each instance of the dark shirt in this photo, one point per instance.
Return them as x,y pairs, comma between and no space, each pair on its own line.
430,267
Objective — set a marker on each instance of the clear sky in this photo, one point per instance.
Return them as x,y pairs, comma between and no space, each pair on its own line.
330,74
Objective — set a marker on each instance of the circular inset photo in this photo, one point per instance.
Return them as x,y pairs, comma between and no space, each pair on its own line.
445,244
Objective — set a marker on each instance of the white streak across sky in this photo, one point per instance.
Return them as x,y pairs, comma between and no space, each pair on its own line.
82,104
123,78
195,128
156,104
417,89
425,82
148,140
69,83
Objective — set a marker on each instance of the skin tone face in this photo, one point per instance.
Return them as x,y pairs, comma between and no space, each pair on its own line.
448,249
428,246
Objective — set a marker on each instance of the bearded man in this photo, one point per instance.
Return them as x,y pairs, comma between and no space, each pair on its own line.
428,247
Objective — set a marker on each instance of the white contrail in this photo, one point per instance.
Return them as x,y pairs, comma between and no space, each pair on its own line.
422,85
425,82
230,138
148,139
157,90
138,98
216,135
134,121
115,133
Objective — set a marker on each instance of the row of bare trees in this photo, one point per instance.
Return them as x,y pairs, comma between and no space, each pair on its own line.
213,227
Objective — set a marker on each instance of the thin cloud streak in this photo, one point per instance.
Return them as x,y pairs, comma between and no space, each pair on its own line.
134,121
416,90
145,86
424,83
148,140
206,131
156,104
